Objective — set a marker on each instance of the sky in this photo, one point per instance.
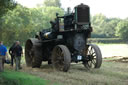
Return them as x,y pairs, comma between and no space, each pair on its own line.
110,8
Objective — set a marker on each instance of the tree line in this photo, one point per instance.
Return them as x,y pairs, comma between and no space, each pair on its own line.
104,27
21,23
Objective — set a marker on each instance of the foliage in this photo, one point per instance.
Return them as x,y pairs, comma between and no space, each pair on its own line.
103,26
6,5
55,3
122,29
23,23
106,40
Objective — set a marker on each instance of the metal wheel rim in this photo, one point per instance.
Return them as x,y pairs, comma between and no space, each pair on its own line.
91,63
59,58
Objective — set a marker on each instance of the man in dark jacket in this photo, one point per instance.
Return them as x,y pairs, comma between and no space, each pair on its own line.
17,56
11,52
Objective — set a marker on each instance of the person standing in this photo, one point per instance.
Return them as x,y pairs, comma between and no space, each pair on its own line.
11,52
17,55
3,54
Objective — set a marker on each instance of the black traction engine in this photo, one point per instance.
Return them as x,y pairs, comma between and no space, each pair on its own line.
65,42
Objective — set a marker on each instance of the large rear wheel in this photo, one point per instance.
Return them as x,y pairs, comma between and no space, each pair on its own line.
61,58
33,53
93,57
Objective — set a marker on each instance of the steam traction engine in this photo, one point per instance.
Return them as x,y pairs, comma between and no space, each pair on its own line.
65,42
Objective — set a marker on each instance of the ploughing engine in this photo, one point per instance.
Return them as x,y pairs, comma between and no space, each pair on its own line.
65,42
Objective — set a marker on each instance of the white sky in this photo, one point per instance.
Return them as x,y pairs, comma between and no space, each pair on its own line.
110,8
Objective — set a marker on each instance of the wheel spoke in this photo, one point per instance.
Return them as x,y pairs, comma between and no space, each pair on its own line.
59,65
93,64
57,61
93,61
91,50
94,53
59,52
89,64
60,57
94,57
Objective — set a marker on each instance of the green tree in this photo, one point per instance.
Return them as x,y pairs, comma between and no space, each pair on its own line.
110,26
122,29
6,5
14,22
23,23
98,23
103,26
55,3
49,14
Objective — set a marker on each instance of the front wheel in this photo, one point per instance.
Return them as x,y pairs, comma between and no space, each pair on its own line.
61,58
93,57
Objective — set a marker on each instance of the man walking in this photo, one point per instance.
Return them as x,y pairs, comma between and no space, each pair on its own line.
3,54
17,52
11,52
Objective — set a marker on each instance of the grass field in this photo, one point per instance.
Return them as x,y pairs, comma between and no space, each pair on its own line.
109,50
10,77
110,73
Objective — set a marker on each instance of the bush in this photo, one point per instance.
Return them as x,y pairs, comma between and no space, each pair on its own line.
106,40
